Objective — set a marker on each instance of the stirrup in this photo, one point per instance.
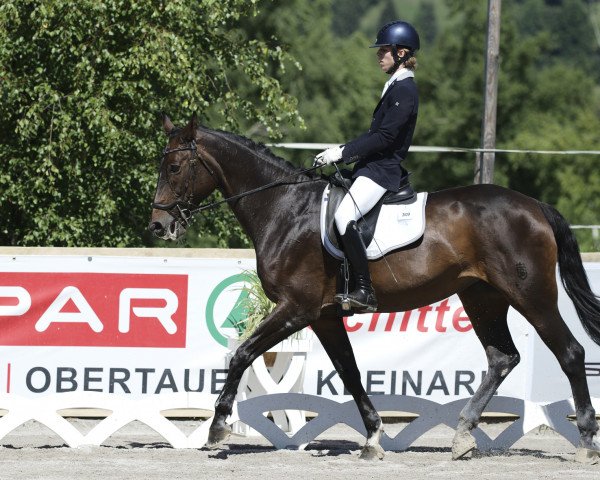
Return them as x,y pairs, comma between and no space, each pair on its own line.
350,303
343,300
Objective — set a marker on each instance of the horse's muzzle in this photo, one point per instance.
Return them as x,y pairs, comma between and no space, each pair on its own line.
156,228
169,232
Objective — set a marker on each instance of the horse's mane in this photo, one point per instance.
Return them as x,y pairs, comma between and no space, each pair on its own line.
259,149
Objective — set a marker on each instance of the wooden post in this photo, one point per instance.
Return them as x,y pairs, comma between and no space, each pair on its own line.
484,166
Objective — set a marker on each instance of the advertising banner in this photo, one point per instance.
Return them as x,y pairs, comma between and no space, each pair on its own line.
145,327
116,325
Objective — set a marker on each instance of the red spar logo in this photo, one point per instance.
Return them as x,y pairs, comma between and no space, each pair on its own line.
93,309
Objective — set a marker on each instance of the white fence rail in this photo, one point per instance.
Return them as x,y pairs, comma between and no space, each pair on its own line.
434,149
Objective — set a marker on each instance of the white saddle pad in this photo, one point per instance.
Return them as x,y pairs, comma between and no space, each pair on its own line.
397,226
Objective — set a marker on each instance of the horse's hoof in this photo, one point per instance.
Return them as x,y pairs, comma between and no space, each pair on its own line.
372,452
216,436
585,455
463,445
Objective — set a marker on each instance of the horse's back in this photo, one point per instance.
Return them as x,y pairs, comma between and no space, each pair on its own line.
480,194
490,225
486,208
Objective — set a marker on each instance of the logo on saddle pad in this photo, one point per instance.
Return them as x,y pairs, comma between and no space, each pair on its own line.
397,225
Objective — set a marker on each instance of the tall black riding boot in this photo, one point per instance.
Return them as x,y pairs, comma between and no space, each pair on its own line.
363,296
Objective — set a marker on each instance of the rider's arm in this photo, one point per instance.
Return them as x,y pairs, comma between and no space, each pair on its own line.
400,106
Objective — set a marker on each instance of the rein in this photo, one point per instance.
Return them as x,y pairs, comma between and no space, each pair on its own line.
186,210
250,192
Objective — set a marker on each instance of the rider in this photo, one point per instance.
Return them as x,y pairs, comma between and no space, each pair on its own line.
378,152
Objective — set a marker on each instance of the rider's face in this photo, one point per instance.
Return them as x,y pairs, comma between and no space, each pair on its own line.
385,57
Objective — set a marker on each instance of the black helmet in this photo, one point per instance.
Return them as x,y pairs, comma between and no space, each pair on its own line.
398,33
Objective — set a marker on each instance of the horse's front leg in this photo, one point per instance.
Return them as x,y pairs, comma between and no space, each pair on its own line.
280,324
334,338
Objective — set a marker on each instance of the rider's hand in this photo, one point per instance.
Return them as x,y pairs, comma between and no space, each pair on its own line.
329,156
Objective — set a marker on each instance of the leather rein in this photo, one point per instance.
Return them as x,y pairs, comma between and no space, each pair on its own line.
182,209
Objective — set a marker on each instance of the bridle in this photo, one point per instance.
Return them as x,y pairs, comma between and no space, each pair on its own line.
182,208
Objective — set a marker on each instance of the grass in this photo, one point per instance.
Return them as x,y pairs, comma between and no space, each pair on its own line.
256,306
255,303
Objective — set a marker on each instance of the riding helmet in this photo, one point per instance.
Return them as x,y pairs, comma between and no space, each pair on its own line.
398,33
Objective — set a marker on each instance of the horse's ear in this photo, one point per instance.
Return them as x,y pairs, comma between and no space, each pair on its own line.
167,124
189,132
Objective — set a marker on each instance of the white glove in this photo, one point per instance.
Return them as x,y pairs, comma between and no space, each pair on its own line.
329,156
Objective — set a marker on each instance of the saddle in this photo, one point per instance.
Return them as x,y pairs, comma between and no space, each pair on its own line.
339,183
397,221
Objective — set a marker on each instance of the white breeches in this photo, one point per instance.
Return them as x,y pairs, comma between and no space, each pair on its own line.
362,197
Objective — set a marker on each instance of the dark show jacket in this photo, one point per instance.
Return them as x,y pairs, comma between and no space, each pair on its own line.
381,150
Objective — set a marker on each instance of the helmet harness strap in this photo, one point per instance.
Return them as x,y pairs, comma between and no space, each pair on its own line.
398,60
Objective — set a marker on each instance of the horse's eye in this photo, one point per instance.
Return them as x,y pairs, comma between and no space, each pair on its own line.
174,168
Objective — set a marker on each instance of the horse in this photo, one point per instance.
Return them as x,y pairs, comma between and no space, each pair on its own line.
491,246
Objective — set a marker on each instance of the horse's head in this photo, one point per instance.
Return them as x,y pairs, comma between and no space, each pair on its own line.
185,179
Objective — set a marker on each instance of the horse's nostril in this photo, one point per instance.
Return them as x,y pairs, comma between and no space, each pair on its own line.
155,227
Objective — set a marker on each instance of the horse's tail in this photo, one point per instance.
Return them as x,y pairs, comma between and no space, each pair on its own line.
573,274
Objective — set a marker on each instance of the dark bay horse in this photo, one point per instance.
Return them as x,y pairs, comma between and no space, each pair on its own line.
494,247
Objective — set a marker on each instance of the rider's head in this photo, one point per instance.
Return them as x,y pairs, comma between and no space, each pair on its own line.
397,42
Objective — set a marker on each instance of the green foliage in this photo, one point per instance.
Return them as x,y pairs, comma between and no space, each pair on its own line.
255,303
547,96
346,16
426,19
569,29
543,103
255,306
450,80
82,84
339,82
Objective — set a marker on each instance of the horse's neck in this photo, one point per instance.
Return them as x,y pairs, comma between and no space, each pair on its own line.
241,175
260,213
240,169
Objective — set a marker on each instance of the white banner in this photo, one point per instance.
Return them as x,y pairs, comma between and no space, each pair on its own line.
142,327
115,325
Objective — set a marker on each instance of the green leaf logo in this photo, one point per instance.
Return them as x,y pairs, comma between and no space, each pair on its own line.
235,317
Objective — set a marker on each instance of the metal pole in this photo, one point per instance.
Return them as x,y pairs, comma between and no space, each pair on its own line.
484,168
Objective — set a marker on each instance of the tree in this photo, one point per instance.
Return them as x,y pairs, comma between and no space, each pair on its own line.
347,15
339,81
426,19
337,84
450,81
570,28
82,84
388,13
544,103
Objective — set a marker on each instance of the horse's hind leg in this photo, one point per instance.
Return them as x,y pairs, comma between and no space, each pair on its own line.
547,321
334,338
487,310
